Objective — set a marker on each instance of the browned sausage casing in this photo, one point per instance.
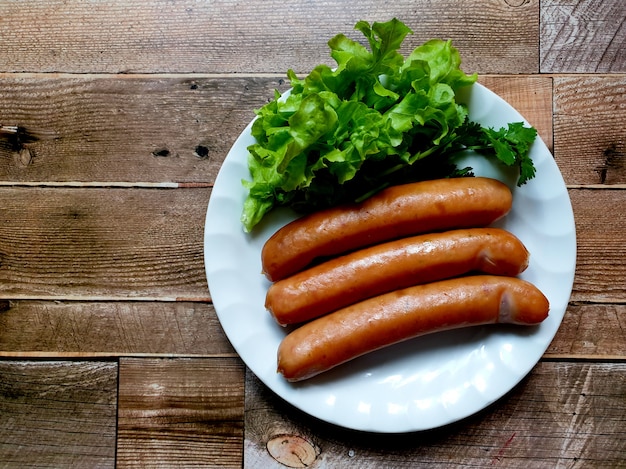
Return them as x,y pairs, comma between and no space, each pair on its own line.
392,265
395,212
387,319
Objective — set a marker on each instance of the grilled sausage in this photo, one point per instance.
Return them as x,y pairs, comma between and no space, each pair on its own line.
386,319
395,212
396,264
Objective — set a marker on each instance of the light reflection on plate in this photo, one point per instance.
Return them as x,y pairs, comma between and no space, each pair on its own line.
420,384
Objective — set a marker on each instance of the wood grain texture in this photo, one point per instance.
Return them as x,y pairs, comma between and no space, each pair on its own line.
600,270
119,128
43,328
561,415
222,36
57,414
591,331
180,413
62,328
590,128
107,243
146,243
583,36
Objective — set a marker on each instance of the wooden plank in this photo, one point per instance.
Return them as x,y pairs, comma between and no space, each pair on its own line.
590,128
562,415
76,328
57,414
102,243
148,244
530,95
145,129
591,330
252,37
583,36
600,227
70,329
180,413
119,128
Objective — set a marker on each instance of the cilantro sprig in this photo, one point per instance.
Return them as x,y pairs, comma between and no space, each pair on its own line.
376,119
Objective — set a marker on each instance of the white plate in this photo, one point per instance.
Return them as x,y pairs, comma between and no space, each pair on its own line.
419,384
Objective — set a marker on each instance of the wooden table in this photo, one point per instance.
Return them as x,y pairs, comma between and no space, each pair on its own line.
116,118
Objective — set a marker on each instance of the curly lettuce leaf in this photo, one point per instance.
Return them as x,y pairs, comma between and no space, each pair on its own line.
375,119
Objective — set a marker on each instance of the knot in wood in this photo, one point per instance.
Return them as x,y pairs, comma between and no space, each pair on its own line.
292,450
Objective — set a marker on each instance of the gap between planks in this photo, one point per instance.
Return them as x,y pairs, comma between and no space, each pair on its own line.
87,298
596,186
107,355
264,75
547,357
148,75
194,185
113,184
564,357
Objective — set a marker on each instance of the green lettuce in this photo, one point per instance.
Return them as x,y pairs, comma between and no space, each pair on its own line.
376,119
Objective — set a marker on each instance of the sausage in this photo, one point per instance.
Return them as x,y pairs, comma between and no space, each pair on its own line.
396,264
343,335
395,212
